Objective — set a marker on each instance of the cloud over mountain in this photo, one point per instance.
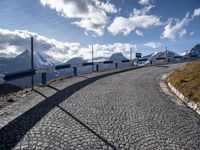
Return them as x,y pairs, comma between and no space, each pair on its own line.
12,43
152,45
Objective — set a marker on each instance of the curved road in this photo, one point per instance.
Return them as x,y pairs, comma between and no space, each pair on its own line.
124,110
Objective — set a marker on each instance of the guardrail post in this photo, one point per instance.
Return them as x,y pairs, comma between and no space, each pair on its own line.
75,71
44,78
116,65
97,67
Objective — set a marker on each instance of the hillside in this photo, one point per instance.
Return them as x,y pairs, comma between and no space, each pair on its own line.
117,57
187,81
195,51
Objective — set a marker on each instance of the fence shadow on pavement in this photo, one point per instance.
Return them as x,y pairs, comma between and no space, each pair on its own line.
14,131
163,66
88,128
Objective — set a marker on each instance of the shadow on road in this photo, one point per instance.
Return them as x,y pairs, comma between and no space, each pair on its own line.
163,66
88,128
40,93
53,88
14,131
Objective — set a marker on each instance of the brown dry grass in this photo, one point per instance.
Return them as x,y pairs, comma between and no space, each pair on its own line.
187,81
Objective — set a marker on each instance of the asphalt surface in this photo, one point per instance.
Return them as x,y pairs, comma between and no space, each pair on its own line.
124,110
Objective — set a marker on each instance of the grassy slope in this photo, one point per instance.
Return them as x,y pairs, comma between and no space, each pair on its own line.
187,81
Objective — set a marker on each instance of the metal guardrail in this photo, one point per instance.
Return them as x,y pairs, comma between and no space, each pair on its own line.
108,62
87,64
178,57
142,59
28,73
19,75
59,67
123,61
161,58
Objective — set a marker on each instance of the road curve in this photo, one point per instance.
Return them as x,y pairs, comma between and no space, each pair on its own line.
124,110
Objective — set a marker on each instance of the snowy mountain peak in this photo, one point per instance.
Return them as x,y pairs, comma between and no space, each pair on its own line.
23,55
117,57
76,61
43,60
23,62
195,51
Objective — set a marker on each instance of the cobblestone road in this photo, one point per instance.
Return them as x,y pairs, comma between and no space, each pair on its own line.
124,110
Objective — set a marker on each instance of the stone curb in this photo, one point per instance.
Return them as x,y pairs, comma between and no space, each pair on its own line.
180,95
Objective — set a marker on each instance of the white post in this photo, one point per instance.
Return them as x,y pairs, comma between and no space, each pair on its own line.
92,59
131,54
166,55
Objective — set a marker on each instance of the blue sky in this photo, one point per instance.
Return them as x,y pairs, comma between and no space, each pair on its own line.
149,25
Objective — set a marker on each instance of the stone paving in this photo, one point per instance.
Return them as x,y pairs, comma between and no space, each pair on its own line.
125,110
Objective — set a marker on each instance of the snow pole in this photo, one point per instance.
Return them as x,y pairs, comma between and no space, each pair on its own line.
131,54
92,59
32,65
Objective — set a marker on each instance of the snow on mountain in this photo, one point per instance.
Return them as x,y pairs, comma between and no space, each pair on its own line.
153,57
23,62
195,51
149,57
43,60
184,53
12,43
165,54
117,57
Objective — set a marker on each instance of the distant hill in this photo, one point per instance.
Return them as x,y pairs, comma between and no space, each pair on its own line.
3,63
76,61
117,57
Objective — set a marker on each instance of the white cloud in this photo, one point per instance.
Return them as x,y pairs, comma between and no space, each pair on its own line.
196,12
191,33
138,32
91,15
105,50
15,42
12,43
137,19
173,30
182,32
152,45
108,7
144,2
